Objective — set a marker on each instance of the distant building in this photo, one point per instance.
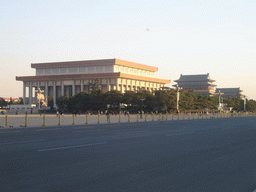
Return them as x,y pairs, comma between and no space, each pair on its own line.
22,109
201,84
60,78
230,92
8,99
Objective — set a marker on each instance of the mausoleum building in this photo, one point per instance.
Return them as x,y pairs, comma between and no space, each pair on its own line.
72,77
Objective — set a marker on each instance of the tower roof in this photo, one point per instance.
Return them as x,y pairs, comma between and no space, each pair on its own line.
189,78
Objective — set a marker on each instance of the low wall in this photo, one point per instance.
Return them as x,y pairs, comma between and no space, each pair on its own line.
32,120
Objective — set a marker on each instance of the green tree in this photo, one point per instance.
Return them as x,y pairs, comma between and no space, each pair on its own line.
63,103
143,100
81,102
187,101
50,101
149,103
114,99
21,101
2,102
251,105
166,99
11,101
128,98
95,85
235,103
98,101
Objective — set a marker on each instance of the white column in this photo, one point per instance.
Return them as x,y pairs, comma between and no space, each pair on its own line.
122,86
36,91
46,92
82,85
117,85
54,93
30,93
108,84
73,88
24,92
62,88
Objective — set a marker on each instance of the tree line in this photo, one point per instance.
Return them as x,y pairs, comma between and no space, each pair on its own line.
143,100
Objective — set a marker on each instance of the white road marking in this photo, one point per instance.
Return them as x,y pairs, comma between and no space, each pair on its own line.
53,129
74,146
10,132
179,133
17,142
80,131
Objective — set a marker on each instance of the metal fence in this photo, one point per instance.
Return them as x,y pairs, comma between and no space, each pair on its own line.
55,120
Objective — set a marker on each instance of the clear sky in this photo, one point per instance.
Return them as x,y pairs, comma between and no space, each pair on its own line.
179,37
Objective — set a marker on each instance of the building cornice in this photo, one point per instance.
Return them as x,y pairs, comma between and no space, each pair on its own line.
90,76
128,76
135,65
103,62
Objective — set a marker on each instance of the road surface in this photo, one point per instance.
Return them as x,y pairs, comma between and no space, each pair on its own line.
187,155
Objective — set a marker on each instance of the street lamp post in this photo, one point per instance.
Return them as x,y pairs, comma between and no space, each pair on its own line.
178,97
244,103
219,98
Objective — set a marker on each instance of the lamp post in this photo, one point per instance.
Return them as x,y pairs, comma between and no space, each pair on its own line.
178,97
244,102
219,98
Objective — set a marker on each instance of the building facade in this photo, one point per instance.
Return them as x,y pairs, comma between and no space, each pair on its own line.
230,92
201,84
60,78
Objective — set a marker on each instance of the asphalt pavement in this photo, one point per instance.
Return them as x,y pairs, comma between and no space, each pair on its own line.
186,155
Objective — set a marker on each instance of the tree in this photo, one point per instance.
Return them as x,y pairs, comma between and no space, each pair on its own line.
11,101
114,98
95,85
187,101
21,101
236,103
2,102
81,102
98,100
144,100
149,102
50,101
251,105
128,98
63,103
165,99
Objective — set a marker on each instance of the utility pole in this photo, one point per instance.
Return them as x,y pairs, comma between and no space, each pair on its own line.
244,103
178,97
219,97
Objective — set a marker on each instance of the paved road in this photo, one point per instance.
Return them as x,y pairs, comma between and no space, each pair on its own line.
196,155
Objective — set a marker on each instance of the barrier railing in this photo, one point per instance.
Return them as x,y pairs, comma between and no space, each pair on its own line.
53,120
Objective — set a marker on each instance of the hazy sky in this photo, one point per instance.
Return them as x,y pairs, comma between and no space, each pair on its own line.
179,37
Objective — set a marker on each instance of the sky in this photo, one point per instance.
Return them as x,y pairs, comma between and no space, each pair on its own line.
179,37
